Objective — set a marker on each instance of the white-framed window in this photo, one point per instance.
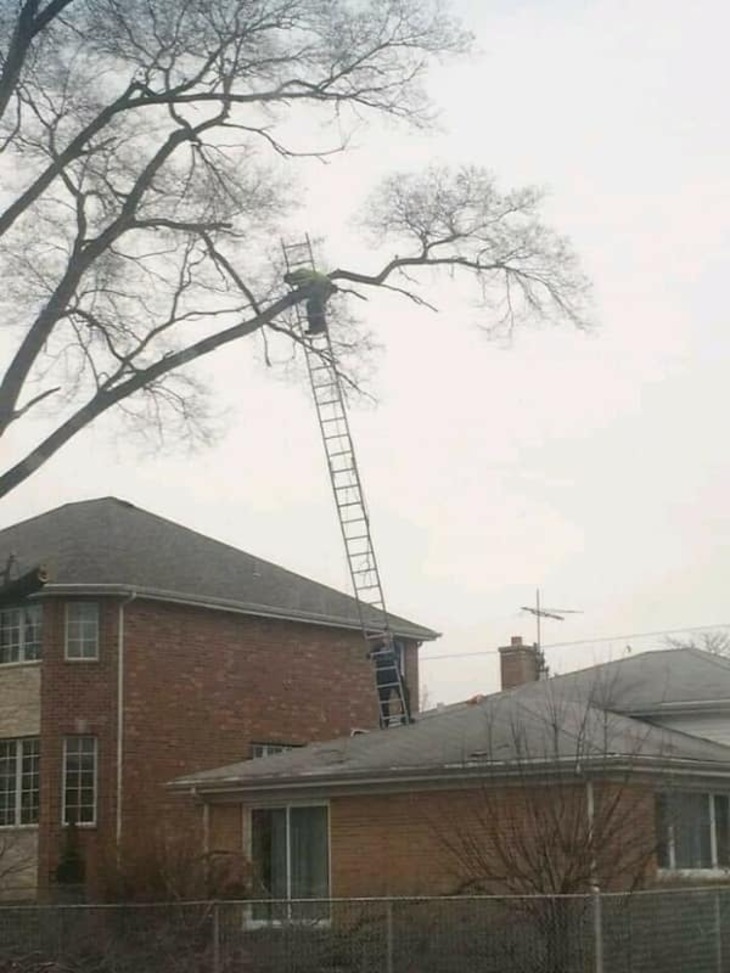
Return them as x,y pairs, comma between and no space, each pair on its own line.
290,855
20,633
268,749
82,630
693,830
19,781
79,780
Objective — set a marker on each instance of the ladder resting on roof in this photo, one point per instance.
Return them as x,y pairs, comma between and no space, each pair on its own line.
329,403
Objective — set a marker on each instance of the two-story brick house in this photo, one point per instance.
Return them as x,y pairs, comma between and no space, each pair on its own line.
154,651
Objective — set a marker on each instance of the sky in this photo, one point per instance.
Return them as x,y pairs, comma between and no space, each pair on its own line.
590,466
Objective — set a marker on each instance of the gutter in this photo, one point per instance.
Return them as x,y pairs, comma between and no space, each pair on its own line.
687,706
236,607
405,778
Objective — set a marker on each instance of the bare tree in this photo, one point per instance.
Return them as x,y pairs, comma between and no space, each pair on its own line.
562,811
715,641
148,149
18,864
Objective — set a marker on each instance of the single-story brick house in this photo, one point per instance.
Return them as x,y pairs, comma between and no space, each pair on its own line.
611,776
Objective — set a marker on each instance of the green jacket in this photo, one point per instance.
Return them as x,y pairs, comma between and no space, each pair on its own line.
305,276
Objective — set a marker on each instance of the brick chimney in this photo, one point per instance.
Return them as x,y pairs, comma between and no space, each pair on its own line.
519,663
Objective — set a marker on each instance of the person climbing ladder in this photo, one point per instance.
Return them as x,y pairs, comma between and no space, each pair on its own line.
319,288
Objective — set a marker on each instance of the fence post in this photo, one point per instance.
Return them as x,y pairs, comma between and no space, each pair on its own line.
718,932
389,936
216,932
597,929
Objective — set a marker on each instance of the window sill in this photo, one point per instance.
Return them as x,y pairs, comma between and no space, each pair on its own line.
667,874
76,661
21,663
249,922
303,924
5,828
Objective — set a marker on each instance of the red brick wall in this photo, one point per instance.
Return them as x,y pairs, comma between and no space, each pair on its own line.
199,687
202,685
386,845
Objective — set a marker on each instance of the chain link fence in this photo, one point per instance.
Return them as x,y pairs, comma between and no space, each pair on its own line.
647,932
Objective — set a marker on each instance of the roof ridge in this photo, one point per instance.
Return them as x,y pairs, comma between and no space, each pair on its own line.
712,658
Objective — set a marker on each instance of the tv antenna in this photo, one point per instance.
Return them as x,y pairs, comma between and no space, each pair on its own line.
540,612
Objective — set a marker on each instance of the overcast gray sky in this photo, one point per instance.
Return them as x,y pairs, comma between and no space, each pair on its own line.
594,467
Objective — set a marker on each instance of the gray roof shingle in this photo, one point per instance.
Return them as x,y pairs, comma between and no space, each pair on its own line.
108,545
651,682
569,718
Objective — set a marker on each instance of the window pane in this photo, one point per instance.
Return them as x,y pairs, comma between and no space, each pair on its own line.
82,630
79,796
269,749
268,848
690,821
32,631
662,819
8,782
20,633
309,860
722,829
19,782
29,781
9,635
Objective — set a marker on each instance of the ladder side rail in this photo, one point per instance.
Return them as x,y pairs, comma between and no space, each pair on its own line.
312,355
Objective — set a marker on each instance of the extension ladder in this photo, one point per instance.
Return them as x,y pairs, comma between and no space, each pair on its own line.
351,510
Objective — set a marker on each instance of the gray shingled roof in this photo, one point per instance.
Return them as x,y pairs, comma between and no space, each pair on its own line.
110,546
651,682
545,723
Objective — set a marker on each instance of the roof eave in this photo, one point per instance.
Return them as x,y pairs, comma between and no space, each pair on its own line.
404,777
221,604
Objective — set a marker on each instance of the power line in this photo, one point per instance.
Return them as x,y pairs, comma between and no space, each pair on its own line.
596,641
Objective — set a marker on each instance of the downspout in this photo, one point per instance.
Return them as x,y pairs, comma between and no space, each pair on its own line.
120,720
